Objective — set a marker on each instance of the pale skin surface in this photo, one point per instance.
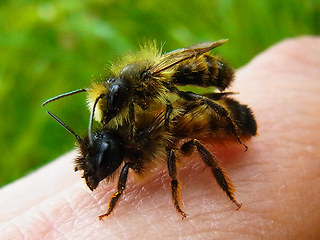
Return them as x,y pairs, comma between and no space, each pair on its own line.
277,180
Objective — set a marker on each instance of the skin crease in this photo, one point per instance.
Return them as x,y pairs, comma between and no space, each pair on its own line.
277,180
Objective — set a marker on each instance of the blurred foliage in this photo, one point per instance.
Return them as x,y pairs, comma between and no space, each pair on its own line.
51,47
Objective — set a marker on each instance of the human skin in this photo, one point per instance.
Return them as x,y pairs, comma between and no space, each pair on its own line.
277,180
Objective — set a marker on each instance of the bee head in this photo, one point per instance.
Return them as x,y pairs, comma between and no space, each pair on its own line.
100,157
100,153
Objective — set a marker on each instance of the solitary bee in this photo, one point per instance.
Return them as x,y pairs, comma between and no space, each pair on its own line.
106,153
147,78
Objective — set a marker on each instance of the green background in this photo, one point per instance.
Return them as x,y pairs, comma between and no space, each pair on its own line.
52,47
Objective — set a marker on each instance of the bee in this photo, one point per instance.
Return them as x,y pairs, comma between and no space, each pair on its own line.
148,77
106,152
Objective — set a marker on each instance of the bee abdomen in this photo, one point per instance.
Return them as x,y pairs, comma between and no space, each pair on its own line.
225,75
204,71
243,118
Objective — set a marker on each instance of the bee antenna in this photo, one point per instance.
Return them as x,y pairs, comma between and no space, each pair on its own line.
92,118
79,139
64,95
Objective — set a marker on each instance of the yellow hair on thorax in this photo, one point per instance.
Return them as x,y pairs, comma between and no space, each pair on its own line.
148,53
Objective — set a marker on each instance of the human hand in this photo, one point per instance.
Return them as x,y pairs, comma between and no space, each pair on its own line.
277,180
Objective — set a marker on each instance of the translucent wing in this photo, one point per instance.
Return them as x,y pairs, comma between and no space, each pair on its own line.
172,58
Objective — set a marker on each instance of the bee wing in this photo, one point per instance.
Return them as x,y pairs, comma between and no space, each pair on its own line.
172,58
150,126
158,121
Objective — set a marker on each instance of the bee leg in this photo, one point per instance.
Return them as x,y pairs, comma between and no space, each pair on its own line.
224,113
217,95
216,107
131,119
121,187
191,96
219,173
169,109
172,167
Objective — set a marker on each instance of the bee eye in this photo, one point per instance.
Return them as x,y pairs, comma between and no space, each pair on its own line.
117,97
104,149
108,155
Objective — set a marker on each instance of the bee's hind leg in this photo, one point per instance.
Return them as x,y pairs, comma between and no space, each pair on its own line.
219,173
220,110
172,167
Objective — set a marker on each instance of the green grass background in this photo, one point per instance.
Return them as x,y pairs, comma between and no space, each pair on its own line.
51,47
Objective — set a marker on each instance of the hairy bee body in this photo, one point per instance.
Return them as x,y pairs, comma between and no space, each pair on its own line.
141,80
154,144
147,120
